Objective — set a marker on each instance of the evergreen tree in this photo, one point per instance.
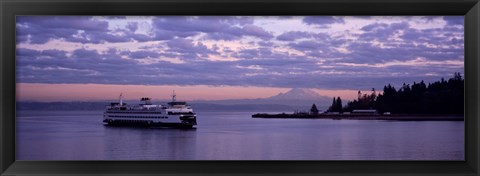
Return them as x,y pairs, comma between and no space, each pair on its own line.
314,110
332,107
338,105
440,97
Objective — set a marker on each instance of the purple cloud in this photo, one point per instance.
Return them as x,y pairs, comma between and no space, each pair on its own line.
252,30
84,53
309,45
22,52
322,20
187,45
292,59
186,24
235,33
63,22
293,35
454,20
143,54
82,29
374,26
218,28
132,27
53,53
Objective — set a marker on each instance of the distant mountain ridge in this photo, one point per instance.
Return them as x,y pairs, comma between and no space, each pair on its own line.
294,99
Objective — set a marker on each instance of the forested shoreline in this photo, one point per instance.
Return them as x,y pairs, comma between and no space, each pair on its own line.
440,97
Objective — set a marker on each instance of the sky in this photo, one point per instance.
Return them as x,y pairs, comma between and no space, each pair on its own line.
66,58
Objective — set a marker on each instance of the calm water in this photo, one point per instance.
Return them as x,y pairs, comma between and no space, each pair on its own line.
80,135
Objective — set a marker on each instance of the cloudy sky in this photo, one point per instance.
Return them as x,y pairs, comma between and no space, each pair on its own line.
212,57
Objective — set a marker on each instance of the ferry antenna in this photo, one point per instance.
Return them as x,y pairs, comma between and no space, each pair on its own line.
174,96
121,99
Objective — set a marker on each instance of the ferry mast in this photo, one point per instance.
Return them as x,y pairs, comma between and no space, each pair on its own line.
120,99
174,96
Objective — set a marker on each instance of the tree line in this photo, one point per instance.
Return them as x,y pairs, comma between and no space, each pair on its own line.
440,97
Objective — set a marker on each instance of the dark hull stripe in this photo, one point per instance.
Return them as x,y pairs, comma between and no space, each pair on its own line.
147,124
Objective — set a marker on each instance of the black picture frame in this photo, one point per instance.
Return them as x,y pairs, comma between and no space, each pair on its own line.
10,8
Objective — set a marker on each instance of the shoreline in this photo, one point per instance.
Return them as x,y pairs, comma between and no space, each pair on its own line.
393,117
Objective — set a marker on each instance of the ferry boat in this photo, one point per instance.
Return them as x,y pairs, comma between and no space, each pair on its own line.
174,114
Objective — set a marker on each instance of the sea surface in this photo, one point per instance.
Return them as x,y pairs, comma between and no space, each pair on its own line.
81,135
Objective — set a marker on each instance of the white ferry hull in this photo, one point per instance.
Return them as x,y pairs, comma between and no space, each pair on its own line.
176,114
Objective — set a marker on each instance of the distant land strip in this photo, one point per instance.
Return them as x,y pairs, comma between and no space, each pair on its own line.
395,117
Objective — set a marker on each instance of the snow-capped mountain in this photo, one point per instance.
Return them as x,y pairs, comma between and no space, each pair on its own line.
295,99
299,94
